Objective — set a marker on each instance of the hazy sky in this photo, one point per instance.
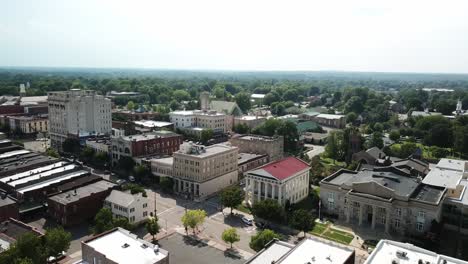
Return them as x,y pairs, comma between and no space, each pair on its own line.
390,35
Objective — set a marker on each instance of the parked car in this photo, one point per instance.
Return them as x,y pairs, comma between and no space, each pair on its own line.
53,259
247,221
131,178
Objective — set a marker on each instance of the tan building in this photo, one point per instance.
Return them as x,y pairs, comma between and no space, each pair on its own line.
329,120
29,124
200,171
272,146
282,180
195,121
387,199
119,246
249,120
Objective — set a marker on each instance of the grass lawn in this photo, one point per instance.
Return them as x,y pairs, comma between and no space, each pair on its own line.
319,229
338,236
244,209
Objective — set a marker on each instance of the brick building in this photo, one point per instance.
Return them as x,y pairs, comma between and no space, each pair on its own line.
8,207
159,142
79,204
272,146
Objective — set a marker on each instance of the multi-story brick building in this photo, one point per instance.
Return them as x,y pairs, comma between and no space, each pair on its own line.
79,204
200,171
8,207
77,112
158,142
272,146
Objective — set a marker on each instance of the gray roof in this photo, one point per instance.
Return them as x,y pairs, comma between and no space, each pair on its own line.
376,153
81,192
246,157
225,107
120,198
398,183
6,200
443,178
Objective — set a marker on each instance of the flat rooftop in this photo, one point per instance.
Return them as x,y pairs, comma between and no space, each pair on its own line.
55,180
205,151
443,178
387,251
463,198
185,250
151,123
452,164
309,250
257,137
246,157
150,136
330,116
165,161
249,117
123,247
82,192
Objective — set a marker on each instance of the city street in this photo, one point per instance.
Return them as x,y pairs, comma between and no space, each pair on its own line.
171,209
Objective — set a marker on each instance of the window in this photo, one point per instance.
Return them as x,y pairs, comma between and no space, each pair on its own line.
398,212
397,223
132,219
422,214
419,226
145,213
331,205
145,205
132,210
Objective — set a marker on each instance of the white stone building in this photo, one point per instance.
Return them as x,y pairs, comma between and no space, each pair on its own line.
77,112
197,120
134,207
282,180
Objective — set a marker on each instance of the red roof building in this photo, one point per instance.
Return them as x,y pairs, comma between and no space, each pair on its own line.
283,180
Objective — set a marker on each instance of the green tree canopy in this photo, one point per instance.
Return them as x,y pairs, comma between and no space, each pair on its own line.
243,101
206,134
268,209
230,236
57,240
258,241
152,226
103,221
193,218
232,197
302,220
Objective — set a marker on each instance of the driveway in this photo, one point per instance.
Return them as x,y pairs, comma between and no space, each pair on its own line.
316,150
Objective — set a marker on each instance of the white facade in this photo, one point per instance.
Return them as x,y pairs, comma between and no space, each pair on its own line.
261,183
135,208
77,112
218,122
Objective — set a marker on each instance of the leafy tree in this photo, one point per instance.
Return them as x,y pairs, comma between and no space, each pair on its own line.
278,109
167,184
271,98
71,145
375,140
407,149
289,131
134,189
121,222
193,218
52,153
241,128
126,163
335,148
141,171
181,95
232,197
131,106
87,154
394,135
302,220
152,226
100,159
206,135
30,246
268,209
354,104
103,221
243,101
57,240
219,92
290,95
351,117
230,236
259,241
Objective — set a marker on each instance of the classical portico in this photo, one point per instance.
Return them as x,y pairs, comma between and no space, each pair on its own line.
371,214
270,182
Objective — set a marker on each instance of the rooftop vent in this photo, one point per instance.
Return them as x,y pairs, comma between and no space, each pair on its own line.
144,246
125,245
401,254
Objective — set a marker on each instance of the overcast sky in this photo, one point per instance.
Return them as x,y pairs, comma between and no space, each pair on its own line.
348,35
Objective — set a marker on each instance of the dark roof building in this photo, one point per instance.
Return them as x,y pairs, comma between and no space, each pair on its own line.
8,207
11,230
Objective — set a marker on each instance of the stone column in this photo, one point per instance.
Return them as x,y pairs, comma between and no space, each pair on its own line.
248,190
387,220
259,186
374,213
266,189
279,194
348,212
273,191
361,211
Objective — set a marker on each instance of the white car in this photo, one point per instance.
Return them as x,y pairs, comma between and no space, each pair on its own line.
247,221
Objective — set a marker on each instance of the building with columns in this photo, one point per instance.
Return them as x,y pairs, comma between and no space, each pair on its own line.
282,180
387,199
